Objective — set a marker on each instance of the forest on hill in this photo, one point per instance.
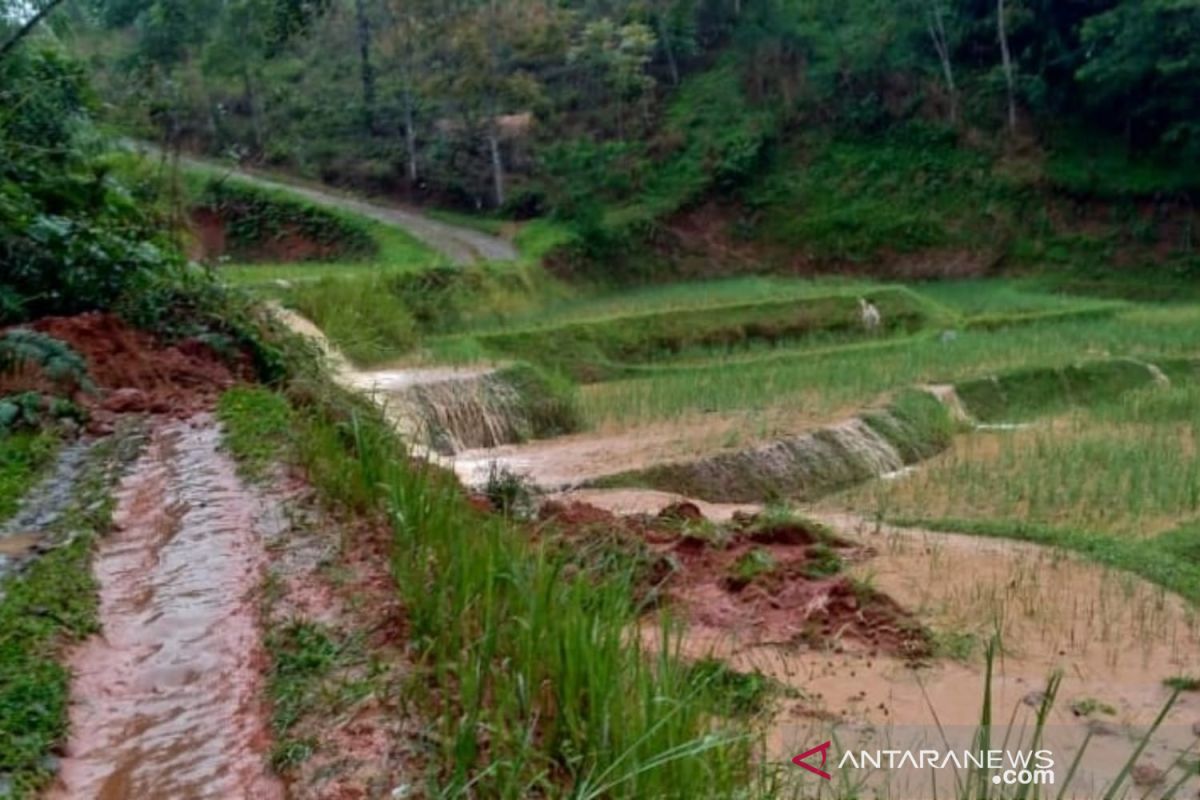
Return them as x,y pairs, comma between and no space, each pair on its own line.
620,117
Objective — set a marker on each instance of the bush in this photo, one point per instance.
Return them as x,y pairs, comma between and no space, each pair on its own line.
255,217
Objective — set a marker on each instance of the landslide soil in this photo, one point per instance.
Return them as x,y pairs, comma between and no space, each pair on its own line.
706,571
133,371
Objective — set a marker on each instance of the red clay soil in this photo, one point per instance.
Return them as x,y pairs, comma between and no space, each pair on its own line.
367,749
134,371
788,603
210,242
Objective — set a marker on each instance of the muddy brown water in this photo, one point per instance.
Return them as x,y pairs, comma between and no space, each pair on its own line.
167,700
28,529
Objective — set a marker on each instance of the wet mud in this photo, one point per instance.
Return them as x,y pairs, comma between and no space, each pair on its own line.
27,532
135,372
166,701
752,580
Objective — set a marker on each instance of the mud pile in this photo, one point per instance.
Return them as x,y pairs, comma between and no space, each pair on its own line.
756,580
135,372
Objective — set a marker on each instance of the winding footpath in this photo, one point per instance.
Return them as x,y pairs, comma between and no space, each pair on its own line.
461,245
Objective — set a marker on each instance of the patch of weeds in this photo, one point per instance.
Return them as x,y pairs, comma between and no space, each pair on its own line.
605,554
289,753
954,644
257,424
1183,683
1087,706
304,656
750,566
823,561
23,457
51,604
509,492
733,692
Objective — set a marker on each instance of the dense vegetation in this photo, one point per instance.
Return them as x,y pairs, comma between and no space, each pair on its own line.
833,133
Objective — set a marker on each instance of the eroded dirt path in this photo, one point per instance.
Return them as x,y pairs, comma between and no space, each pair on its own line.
167,700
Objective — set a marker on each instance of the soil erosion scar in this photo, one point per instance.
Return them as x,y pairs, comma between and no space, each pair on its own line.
165,701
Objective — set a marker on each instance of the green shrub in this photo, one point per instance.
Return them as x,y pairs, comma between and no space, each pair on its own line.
254,217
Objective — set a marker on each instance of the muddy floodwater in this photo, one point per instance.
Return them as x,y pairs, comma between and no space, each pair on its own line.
166,701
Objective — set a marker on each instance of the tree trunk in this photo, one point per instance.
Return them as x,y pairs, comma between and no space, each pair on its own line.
937,32
256,127
497,163
368,71
493,135
664,36
410,137
1006,59
28,28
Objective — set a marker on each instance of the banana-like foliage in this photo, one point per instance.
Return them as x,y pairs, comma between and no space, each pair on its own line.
58,361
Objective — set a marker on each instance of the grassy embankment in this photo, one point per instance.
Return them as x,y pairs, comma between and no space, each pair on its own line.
527,673
47,607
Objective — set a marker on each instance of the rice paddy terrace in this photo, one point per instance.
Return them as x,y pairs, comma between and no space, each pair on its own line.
1010,471
744,501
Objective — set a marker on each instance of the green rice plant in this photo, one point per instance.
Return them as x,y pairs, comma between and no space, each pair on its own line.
586,348
531,678
828,381
361,317
1126,467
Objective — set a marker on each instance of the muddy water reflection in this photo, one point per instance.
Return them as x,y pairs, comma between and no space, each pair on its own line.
165,701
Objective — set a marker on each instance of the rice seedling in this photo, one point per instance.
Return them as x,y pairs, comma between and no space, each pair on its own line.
826,380
532,675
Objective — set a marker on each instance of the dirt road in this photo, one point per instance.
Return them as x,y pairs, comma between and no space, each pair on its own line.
460,244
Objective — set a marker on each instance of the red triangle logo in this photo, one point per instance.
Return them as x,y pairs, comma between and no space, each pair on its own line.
823,749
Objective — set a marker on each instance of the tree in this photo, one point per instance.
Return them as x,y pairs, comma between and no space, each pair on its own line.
1143,68
1007,64
366,68
27,27
618,55
936,24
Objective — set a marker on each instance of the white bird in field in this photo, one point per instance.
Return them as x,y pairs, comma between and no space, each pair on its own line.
869,314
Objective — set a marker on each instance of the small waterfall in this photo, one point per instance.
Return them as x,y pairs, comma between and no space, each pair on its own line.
452,410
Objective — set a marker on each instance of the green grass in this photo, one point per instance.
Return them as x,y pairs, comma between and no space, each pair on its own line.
304,679
1183,683
46,607
363,318
528,674
257,425
23,458
588,349
1126,468
828,381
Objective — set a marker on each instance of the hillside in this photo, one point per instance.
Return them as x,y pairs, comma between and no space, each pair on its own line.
662,399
